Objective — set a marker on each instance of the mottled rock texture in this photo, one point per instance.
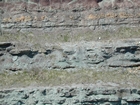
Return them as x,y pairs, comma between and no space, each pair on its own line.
88,55
70,96
43,16
72,3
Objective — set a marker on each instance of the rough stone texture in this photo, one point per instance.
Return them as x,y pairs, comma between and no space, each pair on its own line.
44,16
70,96
65,3
1,12
40,16
89,55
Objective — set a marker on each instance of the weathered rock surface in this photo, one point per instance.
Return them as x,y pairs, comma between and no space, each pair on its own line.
69,3
58,16
89,55
41,17
70,96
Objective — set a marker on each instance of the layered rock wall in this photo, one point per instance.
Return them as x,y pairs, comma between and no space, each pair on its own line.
88,55
58,16
70,96
28,17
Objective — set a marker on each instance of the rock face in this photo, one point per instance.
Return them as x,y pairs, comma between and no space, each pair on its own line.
86,3
42,16
70,96
46,16
88,55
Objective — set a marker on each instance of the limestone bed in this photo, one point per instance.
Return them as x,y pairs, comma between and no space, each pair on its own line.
86,55
82,95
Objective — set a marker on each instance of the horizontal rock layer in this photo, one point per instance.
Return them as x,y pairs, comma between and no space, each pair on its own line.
43,20
12,4
70,96
88,55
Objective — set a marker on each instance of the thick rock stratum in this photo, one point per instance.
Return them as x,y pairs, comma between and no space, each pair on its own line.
70,96
87,55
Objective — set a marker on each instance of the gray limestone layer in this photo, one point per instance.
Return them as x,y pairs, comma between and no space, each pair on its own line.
70,96
82,55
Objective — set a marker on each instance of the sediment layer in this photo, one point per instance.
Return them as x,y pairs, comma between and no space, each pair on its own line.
70,96
88,55
43,19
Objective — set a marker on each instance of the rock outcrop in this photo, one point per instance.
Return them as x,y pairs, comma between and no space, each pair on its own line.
71,3
69,17
89,55
41,16
70,96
